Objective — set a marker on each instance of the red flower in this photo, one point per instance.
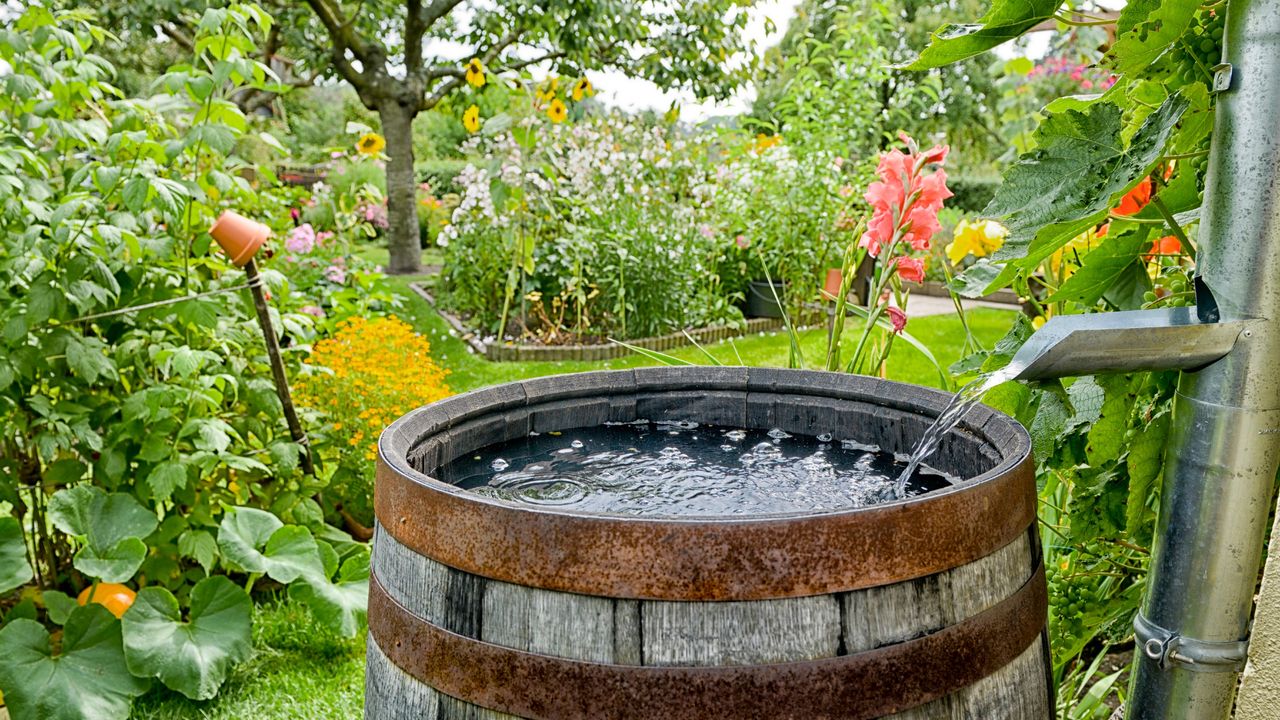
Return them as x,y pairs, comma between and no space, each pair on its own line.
1167,245
1135,199
909,268
898,318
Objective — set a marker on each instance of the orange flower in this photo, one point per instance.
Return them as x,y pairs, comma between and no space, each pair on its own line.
1135,199
1167,245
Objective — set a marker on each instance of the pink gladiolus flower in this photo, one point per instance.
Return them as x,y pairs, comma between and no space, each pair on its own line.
335,274
909,268
311,310
897,318
904,200
301,239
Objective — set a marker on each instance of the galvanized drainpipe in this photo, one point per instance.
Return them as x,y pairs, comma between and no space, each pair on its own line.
1225,445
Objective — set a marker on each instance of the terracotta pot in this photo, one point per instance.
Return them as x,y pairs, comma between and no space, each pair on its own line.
239,236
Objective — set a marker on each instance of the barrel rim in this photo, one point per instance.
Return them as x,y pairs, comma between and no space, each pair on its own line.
611,554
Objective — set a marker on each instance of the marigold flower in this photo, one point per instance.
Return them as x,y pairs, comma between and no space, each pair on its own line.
475,73
557,111
471,119
370,144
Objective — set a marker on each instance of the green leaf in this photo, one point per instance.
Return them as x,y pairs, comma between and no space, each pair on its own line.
1148,39
1107,436
135,192
1050,422
200,546
977,280
111,527
1102,266
1010,398
87,680
112,563
15,571
165,478
256,541
59,605
192,657
1079,170
339,605
1005,20
1145,460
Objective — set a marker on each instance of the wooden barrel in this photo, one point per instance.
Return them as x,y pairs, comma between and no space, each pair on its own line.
931,607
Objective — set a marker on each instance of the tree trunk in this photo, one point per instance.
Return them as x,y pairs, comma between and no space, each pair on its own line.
402,206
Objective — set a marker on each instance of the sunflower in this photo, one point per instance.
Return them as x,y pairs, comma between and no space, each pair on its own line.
475,73
471,119
582,89
557,111
547,91
370,144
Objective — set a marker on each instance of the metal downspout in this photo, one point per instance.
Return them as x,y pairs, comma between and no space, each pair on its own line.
1225,445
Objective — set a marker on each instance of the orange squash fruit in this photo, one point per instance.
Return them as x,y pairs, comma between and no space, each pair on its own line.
113,596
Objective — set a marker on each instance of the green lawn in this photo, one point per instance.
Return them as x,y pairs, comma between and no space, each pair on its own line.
299,672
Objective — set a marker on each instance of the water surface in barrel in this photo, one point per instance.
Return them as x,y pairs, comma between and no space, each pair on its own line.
685,469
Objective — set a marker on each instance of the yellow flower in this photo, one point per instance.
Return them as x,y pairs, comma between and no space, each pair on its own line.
471,119
672,114
475,73
370,144
979,238
582,89
764,142
547,91
557,111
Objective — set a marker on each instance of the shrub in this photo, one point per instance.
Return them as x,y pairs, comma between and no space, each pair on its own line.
366,375
439,174
972,194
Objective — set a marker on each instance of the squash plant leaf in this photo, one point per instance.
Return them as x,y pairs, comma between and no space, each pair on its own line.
86,680
1079,170
192,656
111,526
340,604
258,542
1006,20
15,571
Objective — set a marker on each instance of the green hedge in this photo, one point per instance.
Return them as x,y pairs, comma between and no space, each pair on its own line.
972,193
439,173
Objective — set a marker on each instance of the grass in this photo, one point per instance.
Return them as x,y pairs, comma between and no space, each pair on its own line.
377,253
301,672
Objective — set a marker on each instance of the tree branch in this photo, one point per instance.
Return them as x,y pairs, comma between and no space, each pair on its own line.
414,29
339,30
178,36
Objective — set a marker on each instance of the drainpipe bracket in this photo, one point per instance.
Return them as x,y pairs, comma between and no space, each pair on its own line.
1170,650
1221,77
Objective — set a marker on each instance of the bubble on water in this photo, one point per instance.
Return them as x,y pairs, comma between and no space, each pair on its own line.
824,437
779,434
557,491
564,451
859,447
727,448
736,435
498,464
576,444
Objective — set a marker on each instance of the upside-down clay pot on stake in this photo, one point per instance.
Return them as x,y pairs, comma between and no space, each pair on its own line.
239,236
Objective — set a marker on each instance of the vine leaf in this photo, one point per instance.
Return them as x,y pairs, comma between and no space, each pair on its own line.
111,526
1148,39
1079,170
258,542
86,680
15,571
1107,436
1006,20
192,657
1146,458
1102,267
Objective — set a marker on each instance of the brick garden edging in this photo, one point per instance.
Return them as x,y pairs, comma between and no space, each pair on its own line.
521,352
